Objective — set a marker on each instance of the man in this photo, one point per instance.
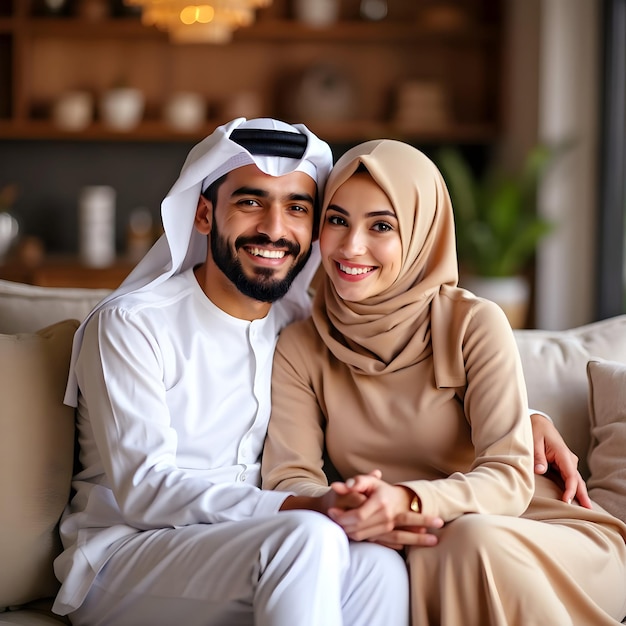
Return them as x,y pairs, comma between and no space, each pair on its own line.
171,377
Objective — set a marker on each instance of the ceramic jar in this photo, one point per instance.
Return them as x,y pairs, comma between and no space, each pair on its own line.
317,13
122,108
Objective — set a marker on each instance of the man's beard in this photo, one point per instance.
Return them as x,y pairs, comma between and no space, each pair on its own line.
263,287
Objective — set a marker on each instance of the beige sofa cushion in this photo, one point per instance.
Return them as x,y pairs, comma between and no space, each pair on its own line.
555,367
607,452
27,308
36,459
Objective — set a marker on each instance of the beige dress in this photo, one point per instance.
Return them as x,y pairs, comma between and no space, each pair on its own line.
424,381
499,567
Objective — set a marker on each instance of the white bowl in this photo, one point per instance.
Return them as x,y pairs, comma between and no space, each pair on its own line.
185,110
122,108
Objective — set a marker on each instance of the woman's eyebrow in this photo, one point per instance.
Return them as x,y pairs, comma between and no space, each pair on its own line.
335,207
385,213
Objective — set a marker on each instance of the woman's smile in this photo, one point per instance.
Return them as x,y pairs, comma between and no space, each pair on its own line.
351,271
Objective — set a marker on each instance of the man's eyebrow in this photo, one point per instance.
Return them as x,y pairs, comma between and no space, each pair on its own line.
338,209
250,191
302,197
263,193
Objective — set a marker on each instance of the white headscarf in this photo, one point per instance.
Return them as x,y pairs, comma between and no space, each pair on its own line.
181,246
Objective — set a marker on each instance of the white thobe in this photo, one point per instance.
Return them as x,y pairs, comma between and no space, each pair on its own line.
173,409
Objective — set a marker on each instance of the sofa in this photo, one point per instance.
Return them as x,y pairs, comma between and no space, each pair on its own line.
578,376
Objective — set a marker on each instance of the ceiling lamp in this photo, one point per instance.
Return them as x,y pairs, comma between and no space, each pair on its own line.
200,22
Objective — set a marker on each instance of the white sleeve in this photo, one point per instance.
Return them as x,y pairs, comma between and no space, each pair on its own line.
532,411
130,439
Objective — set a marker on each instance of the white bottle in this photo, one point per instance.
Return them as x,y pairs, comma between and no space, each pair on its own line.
96,208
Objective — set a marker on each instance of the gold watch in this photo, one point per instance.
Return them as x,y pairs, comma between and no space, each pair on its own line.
415,504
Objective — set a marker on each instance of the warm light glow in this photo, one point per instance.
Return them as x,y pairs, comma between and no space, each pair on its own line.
202,14
212,22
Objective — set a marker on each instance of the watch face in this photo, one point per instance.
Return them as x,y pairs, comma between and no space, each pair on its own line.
373,9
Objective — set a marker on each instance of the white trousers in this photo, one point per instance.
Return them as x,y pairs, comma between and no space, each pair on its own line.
296,568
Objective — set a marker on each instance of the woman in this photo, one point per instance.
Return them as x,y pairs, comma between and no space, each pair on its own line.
399,369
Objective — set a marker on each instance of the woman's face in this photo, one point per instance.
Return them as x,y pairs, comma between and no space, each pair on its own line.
360,240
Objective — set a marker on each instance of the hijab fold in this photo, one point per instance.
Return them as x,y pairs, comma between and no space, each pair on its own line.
412,319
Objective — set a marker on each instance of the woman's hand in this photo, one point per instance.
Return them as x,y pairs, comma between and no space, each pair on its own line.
385,516
551,449
412,529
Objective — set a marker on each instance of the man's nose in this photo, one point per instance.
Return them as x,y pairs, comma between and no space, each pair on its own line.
272,223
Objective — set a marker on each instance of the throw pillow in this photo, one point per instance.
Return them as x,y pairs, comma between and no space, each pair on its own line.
36,459
555,363
607,454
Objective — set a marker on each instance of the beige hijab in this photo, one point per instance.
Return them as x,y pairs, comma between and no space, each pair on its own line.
412,319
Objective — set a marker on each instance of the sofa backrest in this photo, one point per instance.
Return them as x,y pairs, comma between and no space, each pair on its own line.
27,308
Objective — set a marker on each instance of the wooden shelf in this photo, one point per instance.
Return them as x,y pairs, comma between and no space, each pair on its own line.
66,272
339,132
42,57
274,30
268,64
81,28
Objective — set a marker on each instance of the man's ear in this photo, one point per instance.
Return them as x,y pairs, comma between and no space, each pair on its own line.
204,216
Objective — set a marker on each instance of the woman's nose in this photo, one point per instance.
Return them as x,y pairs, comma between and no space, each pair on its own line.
353,243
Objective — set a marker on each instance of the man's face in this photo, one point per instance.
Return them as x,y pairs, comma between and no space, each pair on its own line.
261,230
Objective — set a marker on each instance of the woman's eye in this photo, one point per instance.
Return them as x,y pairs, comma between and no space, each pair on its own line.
383,227
336,220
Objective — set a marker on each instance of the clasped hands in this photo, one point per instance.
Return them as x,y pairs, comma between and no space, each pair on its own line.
370,509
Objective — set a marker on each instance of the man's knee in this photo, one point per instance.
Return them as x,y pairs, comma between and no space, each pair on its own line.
378,562
313,531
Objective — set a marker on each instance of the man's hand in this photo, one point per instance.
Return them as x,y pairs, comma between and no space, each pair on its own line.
322,504
551,449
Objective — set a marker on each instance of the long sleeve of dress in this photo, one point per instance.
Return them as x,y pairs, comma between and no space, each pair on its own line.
500,478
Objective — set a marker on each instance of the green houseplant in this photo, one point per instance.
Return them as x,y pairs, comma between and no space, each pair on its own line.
497,224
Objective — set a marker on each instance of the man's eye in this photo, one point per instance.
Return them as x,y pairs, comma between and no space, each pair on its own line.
298,208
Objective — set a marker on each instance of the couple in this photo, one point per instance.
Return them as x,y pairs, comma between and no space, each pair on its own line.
171,377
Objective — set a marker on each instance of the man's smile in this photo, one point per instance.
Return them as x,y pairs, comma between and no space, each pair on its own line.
267,254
